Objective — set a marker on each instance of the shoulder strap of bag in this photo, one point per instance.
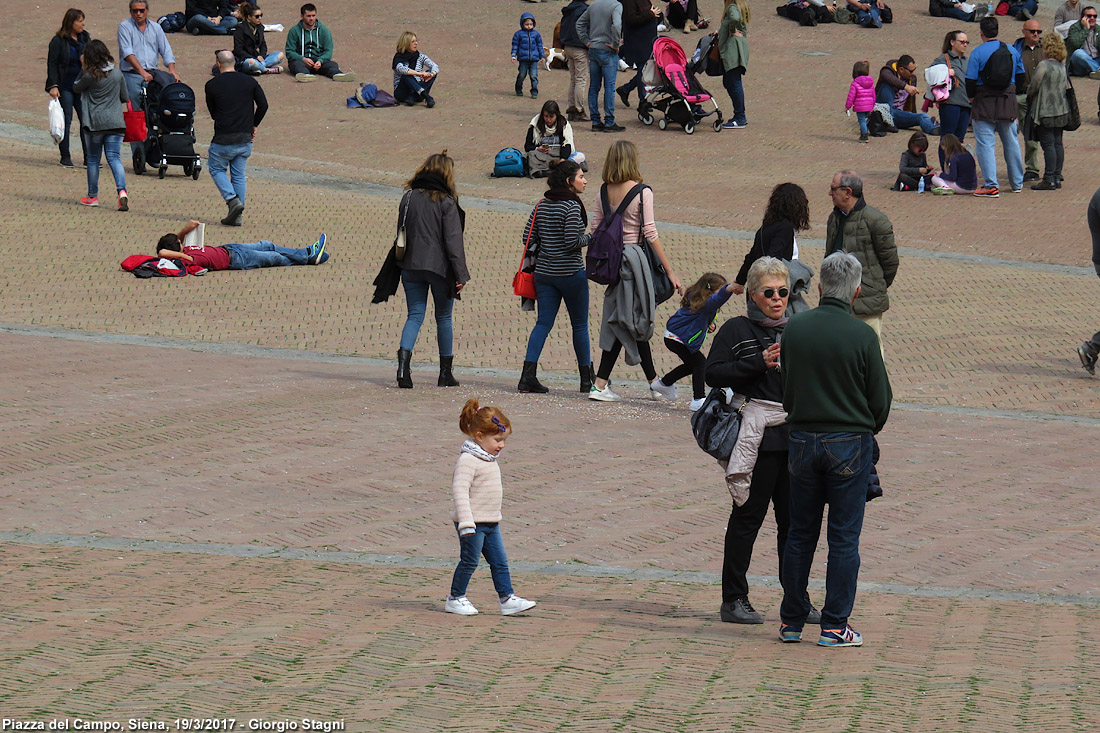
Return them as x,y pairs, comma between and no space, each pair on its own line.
529,232
604,201
637,190
404,206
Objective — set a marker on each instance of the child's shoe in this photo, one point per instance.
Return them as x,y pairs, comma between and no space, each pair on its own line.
864,137
943,191
657,388
513,605
461,606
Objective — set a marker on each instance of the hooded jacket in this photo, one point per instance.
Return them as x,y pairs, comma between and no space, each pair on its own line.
526,44
103,100
315,43
861,94
569,15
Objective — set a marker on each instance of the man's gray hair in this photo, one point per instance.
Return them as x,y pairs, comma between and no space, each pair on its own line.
840,276
225,58
139,2
850,179
766,267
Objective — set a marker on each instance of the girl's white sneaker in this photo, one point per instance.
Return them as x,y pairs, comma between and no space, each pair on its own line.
659,388
696,404
513,605
461,606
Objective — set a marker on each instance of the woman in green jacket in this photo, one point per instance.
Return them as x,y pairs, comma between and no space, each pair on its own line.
734,49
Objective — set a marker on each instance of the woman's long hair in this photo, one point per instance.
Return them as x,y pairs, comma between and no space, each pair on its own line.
559,121
742,5
96,56
247,11
951,146
788,202
404,41
440,166
695,297
71,16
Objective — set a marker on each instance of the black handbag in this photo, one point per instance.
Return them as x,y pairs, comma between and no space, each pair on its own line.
716,424
662,286
1074,111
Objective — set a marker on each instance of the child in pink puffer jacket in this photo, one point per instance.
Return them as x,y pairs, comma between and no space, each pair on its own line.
861,96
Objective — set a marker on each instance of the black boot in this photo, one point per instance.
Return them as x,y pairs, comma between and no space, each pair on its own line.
1049,183
587,378
446,379
404,379
528,382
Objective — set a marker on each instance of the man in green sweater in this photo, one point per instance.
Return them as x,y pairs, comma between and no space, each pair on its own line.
837,396
309,49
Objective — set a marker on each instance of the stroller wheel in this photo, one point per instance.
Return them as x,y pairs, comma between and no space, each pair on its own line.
645,117
195,170
139,159
717,125
689,128
161,171
662,123
188,168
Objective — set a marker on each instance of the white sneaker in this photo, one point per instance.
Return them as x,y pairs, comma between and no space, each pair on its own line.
661,27
696,404
660,389
461,606
603,395
514,605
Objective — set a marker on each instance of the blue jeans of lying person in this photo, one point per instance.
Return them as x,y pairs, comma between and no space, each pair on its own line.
833,469
1081,64
488,541
550,292
417,284
410,89
905,120
250,255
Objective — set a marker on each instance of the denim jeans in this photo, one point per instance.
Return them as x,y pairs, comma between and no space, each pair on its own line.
417,283
528,68
234,158
550,292
954,119
869,18
833,469
486,540
861,117
409,89
255,66
206,28
1081,64
904,120
1016,9
731,80
111,145
603,70
251,255
957,13
987,155
71,101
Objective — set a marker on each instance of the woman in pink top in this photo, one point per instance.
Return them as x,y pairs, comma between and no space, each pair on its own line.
619,328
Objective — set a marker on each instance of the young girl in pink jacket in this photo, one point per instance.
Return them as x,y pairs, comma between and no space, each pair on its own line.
861,96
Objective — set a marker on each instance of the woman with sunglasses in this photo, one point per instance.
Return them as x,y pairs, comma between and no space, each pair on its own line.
250,46
955,110
745,358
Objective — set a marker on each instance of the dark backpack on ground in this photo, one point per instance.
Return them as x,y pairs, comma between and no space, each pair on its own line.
173,22
876,124
508,164
605,250
997,73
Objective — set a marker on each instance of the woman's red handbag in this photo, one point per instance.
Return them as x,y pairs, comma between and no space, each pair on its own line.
135,124
523,284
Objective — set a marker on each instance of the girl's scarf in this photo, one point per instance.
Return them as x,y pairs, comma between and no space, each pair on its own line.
476,450
408,58
432,182
567,194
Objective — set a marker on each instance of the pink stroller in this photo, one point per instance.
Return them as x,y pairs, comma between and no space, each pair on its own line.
673,90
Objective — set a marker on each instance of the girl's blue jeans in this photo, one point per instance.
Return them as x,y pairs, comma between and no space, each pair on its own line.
862,117
417,284
550,292
97,143
488,541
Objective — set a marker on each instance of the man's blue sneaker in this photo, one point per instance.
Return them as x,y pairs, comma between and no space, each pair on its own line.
790,634
840,637
324,258
317,249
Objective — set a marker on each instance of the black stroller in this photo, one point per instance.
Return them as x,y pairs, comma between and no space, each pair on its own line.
170,124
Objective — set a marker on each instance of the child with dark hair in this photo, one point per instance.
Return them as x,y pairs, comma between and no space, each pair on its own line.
913,166
861,96
527,52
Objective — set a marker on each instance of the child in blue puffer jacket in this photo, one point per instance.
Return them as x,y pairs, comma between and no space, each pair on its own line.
687,329
527,52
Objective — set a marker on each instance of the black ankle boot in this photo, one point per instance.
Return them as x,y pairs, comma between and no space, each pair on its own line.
404,359
446,379
1049,183
528,382
587,378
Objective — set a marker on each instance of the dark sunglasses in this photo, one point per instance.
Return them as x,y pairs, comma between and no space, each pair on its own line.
145,10
770,292
1038,31
1090,16
257,15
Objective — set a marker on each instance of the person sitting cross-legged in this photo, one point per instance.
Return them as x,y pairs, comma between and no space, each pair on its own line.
309,48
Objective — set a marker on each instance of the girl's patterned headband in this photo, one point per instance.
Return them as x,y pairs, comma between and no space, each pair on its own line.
499,424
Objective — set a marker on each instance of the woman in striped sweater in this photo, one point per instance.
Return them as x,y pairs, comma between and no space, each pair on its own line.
556,229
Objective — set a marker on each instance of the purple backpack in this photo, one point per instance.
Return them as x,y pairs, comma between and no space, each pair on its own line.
605,250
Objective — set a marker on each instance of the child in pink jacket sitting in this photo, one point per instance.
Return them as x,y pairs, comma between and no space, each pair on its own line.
861,96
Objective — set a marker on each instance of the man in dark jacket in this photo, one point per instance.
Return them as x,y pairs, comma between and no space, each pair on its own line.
600,29
1090,350
209,17
1031,53
867,233
1082,50
237,105
895,87
837,396
576,56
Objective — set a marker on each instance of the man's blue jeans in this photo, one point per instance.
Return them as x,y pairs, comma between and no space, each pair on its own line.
904,120
987,154
869,18
528,68
205,27
486,540
603,70
250,255
410,89
111,145
1081,64
833,469
232,158
550,292
71,101
417,283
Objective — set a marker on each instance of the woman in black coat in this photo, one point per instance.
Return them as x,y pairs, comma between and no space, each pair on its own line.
639,33
62,69
250,46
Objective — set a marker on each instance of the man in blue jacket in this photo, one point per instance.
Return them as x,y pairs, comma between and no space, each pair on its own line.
994,107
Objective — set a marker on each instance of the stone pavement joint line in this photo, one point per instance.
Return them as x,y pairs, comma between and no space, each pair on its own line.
570,569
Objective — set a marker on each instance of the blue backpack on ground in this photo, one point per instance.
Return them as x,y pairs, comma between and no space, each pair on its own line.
604,257
508,164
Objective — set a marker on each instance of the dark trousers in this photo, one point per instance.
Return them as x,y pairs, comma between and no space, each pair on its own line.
1050,140
694,364
328,68
912,182
770,483
634,83
410,89
1094,229
70,102
607,361
678,16
731,80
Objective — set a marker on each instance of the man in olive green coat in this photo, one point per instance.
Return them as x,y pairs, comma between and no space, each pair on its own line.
865,232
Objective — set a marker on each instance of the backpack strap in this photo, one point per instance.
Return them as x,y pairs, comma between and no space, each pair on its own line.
636,191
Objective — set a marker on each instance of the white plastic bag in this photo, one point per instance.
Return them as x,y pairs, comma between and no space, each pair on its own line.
57,120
